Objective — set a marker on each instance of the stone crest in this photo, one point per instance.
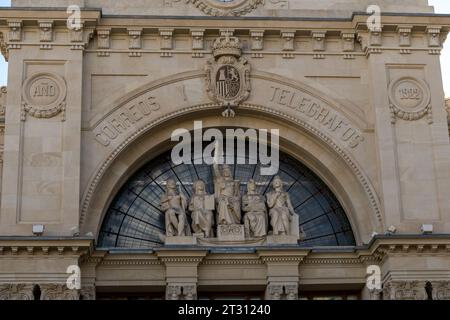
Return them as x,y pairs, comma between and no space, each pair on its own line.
44,96
226,7
228,74
410,99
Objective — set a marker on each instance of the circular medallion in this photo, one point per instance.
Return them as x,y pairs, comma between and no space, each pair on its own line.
410,98
44,95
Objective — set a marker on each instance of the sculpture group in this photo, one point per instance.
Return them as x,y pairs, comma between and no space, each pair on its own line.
253,215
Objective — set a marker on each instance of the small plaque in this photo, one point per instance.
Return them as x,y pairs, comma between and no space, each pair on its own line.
232,232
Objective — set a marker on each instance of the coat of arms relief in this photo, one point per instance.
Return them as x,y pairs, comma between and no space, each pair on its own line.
228,74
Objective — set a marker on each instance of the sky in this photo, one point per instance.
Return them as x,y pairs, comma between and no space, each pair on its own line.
441,6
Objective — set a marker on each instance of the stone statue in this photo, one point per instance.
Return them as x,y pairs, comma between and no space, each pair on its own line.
255,218
227,196
201,207
281,210
174,205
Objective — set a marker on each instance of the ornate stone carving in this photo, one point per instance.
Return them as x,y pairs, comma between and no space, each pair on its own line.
228,74
46,33
201,207
319,40
135,41
441,290
410,99
3,92
227,196
166,39
44,96
282,291
174,205
376,37
288,37
58,292
348,41
15,30
217,8
404,290
281,210
257,39
16,291
404,36
88,293
434,36
255,218
3,47
103,41
181,292
197,39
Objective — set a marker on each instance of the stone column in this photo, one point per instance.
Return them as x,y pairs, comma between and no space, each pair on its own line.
16,291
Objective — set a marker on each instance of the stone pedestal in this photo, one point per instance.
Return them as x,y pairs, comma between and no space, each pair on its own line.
233,232
180,241
274,240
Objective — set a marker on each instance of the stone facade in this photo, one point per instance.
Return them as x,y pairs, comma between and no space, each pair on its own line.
88,106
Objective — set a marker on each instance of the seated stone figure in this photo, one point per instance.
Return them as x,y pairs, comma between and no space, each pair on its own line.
255,218
281,210
174,204
200,208
228,197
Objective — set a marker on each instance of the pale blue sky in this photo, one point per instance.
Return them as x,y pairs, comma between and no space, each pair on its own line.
441,6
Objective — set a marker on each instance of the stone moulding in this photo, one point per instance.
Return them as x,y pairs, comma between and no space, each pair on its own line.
216,8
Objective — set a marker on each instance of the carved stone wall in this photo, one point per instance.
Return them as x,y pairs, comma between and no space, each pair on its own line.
16,291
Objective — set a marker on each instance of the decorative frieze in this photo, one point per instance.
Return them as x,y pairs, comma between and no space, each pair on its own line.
404,290
181,291
441,290
58,292
16,291
87,293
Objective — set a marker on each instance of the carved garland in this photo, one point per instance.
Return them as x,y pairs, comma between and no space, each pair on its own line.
410,100
44,96
216,9
373,200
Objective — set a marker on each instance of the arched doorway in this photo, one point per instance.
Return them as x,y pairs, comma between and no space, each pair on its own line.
134,219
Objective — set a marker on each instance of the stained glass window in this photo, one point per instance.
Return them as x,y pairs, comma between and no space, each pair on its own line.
134,219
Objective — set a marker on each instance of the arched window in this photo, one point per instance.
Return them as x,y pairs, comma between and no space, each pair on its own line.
134,219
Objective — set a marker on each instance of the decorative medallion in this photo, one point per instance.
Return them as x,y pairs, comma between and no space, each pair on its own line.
410,99
226,7
228,74
44,96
